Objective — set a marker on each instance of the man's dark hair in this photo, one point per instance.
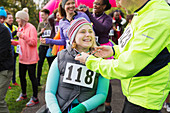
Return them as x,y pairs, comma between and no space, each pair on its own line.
46,11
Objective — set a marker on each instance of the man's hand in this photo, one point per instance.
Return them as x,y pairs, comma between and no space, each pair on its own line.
104,51
42,30
82,57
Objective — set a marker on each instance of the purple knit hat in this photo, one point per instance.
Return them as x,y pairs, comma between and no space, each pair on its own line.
75,26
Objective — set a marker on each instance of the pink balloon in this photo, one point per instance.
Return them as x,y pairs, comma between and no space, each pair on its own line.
89,3
53,4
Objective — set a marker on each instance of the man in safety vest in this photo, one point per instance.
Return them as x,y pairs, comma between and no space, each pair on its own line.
142,57
13,28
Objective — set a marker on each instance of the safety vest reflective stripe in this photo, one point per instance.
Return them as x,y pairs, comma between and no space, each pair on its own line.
14,27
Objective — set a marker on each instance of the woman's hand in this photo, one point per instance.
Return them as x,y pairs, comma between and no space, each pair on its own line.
78,109
82,57
43,40
20,35
12,42
82,8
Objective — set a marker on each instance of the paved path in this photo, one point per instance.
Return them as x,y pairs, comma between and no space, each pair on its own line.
38,106
117,99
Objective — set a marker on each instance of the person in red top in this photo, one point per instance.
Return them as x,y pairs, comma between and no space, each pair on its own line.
118,25
28,55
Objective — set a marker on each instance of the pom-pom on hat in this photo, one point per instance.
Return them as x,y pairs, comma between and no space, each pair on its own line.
3,12
23,14
75,26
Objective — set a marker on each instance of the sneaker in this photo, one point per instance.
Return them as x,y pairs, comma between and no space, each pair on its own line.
33,101
9,87
168,107
108,109
15,84
21,97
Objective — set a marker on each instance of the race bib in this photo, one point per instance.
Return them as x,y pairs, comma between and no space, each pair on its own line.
79,75
46,33
125,37
19,50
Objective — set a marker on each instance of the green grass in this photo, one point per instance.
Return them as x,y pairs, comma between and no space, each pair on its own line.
12,94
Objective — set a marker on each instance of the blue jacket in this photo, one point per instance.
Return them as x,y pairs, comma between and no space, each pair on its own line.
63,25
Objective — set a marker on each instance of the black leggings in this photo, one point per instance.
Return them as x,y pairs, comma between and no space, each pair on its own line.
31,72
42,55
132,108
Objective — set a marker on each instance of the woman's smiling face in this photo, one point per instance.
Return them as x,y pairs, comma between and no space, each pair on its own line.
85,37
70,6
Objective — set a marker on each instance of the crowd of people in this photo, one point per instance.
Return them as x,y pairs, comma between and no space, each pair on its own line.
85,50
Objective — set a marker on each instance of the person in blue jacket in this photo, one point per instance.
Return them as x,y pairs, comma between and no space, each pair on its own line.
71,87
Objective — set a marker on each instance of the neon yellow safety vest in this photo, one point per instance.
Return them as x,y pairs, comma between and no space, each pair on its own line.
14,27
142,57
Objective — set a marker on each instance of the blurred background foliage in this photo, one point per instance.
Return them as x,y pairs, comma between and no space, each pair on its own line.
34,7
